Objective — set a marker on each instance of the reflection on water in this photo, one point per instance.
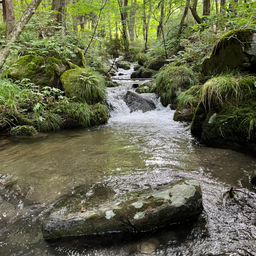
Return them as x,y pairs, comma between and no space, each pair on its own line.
130,153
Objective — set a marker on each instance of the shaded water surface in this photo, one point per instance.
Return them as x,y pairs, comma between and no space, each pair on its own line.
132,152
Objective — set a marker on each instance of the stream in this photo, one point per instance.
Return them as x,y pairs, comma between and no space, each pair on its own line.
134,151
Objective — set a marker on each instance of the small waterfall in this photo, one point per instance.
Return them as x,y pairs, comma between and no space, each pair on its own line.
118,107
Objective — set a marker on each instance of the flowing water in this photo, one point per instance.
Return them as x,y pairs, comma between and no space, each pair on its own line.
133,151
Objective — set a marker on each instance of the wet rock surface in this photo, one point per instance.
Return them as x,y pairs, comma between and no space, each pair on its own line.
170,204
137,102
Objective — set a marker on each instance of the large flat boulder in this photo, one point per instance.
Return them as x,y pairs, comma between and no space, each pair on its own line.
137,102
170,204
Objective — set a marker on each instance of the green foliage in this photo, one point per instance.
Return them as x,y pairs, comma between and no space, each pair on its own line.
92,88
48,110
85,85
171,80
190,98
222,89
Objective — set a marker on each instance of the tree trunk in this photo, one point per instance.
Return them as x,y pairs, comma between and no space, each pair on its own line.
123,13
8,14
109,27
63,20
216,6
222,3
147,25
57,6
132,19
160,27
195,15
206,7
18,29
184,16
194,12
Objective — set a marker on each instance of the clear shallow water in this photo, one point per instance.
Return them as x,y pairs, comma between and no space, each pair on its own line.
132,152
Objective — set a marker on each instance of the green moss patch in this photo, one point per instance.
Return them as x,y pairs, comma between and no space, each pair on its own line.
84,85
172,80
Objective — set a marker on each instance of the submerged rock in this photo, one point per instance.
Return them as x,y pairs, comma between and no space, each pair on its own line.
137,102
168,205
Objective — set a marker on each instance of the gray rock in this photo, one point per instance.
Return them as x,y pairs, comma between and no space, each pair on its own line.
170,204
137,102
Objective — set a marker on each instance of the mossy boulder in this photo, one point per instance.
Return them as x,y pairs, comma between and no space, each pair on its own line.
227,111
170,204
147,87
236,50
23,131
156,64
143,73
136,67
172,80
141,58
84,84
123,64
39,70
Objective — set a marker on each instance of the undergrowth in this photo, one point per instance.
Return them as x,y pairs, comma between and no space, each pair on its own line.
172,80
48,110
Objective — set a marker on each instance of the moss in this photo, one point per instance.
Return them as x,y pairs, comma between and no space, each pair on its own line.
25,67
230,53
141,58
172,80
234,108
42,71
136,67
123,64
155,64
147,87
99,114
84,84
24,130
237,35
81,55
72,65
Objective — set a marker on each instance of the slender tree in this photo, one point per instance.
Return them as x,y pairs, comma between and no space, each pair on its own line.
206,7
95,27
184,16
8,16
222,3
131,23
18,29
193,10
123,12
